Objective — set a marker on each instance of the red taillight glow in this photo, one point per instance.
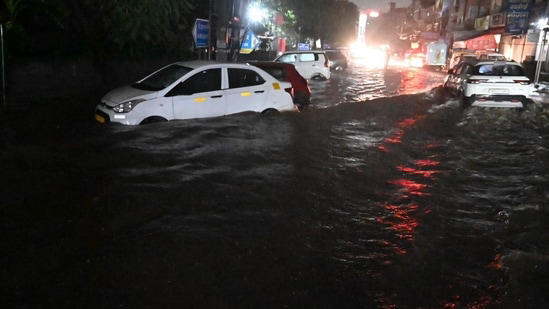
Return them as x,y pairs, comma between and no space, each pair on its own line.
326,62
475,81
522,82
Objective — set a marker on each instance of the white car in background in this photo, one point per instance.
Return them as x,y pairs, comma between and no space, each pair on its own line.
195,89
490,84
310,64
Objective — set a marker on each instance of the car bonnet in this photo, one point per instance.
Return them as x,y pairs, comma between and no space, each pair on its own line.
122,94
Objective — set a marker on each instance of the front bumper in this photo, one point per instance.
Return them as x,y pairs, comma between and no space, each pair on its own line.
105,114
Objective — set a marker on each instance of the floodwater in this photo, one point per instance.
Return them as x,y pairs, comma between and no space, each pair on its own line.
384,193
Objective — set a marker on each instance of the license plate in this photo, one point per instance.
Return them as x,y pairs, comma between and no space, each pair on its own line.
499,91
99,118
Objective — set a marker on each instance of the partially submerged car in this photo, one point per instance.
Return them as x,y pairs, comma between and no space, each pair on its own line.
311,64
286,72
490,84
195,89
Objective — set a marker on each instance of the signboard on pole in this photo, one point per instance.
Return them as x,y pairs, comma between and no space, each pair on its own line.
303,46
517,16
201,33
249,43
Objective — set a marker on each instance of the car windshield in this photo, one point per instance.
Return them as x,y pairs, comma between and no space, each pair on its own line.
163,78
498,70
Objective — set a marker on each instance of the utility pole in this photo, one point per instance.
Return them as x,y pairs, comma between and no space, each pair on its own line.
210,31
540,54
4,103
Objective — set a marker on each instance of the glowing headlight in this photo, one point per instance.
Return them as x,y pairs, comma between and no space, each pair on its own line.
127,106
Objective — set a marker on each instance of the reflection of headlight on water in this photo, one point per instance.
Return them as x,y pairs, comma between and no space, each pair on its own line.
416,62
373,58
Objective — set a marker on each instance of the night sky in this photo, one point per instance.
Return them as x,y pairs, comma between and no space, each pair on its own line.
383,5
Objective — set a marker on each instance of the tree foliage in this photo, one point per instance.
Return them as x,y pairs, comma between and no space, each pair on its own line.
100,28
333,21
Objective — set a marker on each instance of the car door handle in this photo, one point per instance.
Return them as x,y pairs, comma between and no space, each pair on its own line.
216,96
259,91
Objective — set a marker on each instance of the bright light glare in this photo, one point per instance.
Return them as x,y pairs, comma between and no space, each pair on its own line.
416,62
542,23
256,14
374,14
369,57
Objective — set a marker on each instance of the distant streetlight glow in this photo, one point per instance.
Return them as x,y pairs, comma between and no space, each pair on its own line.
256,14
374,14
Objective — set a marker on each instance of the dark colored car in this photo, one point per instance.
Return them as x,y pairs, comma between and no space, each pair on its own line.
287,73
338,59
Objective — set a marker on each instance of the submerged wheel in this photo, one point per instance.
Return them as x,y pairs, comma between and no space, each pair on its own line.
270,111
153,119
465,101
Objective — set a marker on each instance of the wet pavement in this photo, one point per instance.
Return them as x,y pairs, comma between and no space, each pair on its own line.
384,193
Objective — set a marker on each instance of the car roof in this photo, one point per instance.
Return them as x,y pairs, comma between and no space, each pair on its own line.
271,63
195,64
498,62
304,51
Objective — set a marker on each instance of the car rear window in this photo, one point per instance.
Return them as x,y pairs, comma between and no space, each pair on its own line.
498,70
276,72
308,57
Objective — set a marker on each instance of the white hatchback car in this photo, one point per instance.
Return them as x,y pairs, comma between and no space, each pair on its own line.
309,64
195,89
490,84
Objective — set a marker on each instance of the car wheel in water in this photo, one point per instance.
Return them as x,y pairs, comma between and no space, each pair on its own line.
270,112
153,119
465,101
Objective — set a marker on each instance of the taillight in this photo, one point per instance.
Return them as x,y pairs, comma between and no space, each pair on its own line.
290,91
326,62
475,81
522,82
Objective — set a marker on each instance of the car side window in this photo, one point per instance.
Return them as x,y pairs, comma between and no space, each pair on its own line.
466,69
308,57
288,58
204,81
244,78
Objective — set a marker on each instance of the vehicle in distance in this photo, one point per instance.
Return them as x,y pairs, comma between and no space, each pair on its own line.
490,84
286,72
195,89
337,59
310,64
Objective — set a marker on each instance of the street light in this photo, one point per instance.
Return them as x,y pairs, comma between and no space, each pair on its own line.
256,14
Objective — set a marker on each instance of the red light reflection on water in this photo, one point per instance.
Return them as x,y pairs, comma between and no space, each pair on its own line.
401,221
406,123
411,187
424,163
413,171
395,139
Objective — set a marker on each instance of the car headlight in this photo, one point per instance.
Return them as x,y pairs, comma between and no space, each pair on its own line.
127,106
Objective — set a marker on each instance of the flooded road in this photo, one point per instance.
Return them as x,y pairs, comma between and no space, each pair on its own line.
384,193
